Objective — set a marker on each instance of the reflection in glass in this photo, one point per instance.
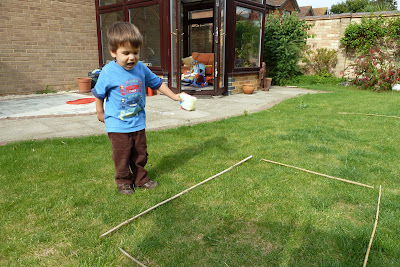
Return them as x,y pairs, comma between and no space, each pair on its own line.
248,37
201,14
106,20
201,38
109,2
147,19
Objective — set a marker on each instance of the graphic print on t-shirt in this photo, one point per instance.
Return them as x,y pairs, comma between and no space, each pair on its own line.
132,100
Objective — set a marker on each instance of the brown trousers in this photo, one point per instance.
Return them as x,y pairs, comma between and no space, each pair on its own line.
130,157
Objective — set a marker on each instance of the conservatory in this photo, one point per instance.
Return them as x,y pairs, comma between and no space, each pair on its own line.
202,47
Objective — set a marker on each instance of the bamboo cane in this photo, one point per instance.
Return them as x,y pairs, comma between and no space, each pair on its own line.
132,258
176,196
321,174
348,113
374,229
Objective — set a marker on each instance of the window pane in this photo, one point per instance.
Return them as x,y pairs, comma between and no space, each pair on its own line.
201,38
147,19
106,20
248,37
109,2
201,14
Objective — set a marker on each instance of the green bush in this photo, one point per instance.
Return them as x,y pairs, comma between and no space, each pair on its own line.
375,70
245,42
320,62
348,6
354,6
371,32
284,40
376,42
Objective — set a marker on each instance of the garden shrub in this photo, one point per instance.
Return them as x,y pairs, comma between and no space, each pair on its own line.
245,42
365,35
376,42
320,62
375,70
284,40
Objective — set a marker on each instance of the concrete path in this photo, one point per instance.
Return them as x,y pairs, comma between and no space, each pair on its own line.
49,116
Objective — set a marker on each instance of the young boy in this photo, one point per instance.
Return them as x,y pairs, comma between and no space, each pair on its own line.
122,85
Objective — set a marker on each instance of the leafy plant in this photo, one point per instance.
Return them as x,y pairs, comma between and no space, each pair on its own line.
46,91
376,43
246,42
375,70
376,7
349,6
371,32
320,62
284,40
354,6
302,105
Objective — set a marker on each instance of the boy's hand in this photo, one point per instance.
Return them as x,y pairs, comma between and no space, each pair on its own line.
100,109
179,95
166,91
100,116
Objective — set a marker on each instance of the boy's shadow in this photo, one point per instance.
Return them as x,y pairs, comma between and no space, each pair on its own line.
173,161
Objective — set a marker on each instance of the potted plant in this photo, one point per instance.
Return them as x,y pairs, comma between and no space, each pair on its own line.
267,84
84,85
248,88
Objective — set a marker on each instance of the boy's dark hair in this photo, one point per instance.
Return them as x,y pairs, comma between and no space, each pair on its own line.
121,33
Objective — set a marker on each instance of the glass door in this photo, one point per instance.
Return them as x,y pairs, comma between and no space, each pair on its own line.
175,12
219,46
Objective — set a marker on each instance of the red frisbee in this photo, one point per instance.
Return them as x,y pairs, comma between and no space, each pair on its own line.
82,101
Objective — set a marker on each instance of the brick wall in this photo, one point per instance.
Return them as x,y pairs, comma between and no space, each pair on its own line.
46,43
237,81
329,30
201,39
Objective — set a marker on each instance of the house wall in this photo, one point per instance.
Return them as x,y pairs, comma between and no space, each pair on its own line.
46,44
329,30
288,6
236,82
201,39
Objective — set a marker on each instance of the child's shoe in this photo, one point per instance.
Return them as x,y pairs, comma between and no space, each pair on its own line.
149,185
125,189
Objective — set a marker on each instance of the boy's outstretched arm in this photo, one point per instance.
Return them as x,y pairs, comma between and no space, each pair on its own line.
100,109
166,91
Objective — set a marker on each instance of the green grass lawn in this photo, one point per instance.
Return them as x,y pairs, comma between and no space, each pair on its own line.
58,196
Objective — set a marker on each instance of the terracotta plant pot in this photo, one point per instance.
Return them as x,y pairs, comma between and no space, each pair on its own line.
267,84
85,85
149,91
248,88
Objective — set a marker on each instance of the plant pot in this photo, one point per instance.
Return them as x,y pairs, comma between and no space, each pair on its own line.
85,85
267,84
248,88
149,91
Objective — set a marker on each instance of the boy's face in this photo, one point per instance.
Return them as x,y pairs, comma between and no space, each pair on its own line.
127,56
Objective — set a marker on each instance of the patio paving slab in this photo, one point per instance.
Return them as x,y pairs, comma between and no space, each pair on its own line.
48,116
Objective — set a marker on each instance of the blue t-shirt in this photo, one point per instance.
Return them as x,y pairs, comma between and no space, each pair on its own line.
124,92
